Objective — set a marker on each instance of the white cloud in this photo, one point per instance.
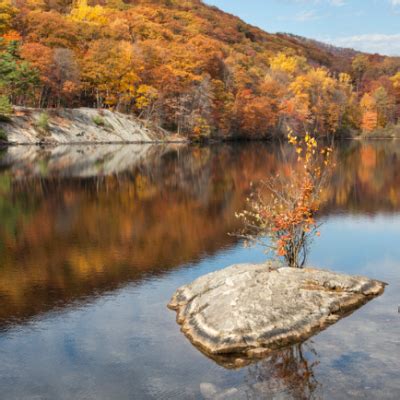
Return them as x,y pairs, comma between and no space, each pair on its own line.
339,3
395,2
303,16
371,43
306,16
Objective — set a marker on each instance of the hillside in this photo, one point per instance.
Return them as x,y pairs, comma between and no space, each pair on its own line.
188,67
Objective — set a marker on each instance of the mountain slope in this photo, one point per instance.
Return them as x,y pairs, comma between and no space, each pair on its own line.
189,67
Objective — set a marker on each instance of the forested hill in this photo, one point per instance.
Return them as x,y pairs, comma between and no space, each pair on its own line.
189,68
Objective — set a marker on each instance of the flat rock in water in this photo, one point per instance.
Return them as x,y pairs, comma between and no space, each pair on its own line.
250,310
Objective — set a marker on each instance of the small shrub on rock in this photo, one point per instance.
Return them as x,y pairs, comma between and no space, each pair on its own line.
43,122
281,212
98,120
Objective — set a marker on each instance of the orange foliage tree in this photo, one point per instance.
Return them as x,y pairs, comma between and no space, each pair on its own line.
191,68
369,113
281,211
256,114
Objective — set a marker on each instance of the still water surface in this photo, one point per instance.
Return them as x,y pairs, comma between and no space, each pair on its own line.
95,240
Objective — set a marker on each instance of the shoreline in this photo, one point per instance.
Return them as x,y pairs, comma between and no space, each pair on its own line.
90,126
91,143
212,141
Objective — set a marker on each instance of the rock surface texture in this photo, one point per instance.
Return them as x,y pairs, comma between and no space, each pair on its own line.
80,125
250,310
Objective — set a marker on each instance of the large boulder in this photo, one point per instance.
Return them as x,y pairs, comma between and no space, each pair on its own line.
250,310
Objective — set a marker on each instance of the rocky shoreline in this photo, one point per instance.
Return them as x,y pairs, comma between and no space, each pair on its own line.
78,126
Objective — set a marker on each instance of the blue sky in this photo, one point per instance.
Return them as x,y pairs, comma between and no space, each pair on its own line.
367,25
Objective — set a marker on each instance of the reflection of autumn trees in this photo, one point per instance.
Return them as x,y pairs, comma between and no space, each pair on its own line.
367,178
289,371
63,239
84,236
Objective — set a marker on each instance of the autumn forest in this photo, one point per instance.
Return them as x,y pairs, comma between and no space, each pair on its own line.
190,69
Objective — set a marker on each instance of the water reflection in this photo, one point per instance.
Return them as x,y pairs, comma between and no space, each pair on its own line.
63,237
74,229
288,372
367,178
290,369
102,243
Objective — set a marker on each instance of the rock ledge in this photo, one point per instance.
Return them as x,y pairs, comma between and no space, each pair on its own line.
250,310
79,125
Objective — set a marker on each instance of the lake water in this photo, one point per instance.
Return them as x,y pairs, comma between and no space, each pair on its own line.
95,240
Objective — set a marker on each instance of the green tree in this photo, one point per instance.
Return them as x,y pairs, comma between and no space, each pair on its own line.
17,79
5,108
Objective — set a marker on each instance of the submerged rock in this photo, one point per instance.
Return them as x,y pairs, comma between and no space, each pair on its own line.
250,310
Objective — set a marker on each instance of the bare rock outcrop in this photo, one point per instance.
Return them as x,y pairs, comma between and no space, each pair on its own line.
79,125
250,310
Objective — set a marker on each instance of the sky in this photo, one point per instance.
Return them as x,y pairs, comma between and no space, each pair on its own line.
367,25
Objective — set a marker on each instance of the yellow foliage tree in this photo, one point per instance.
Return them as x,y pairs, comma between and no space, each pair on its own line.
82,12
320,99
288,64
145,98
7,13
396,80
108,67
